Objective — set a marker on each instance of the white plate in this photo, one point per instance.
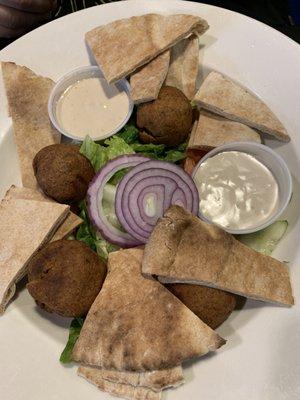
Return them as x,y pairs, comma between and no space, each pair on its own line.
261,358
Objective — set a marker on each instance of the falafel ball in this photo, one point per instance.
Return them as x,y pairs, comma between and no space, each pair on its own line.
212,306
65,277
62,172
166,120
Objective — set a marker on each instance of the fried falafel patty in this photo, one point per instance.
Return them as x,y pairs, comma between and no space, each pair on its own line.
166,120
65,277
62,172
212,306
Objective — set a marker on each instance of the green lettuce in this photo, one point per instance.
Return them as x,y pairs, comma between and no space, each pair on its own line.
130,134
96,153
99,154
87,234
74,332
266,240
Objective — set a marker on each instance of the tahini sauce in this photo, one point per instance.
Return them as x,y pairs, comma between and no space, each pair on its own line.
92,107
236,190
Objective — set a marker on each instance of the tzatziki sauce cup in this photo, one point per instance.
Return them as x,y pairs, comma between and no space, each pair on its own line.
62,89
273,162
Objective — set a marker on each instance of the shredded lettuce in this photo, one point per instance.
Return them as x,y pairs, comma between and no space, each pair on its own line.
99,154
266,240
96,153
127,142
74,331
116,146
130,134
87,234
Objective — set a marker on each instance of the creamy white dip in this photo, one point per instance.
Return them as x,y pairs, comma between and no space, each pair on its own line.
92,107
236,190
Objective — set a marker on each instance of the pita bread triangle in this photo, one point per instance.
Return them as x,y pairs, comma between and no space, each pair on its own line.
135,324
147,81
20,237
222,96
122,46
213,130
184,66
182,248
65,229
133,384
27,95
154,380
125,390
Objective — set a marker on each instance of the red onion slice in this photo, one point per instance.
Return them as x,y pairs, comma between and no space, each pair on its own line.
153,183
95,198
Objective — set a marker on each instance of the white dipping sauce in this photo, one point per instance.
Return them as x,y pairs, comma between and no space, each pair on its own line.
236,190
92,107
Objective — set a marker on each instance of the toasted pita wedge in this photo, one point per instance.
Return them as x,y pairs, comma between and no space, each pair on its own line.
122,46
25,225
182,248
222,96
213,130
27,95
154,380
68,225
135,324
184,66
146,82
130,392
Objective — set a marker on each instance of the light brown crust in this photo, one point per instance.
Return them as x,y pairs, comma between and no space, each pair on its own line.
222,96
27,95
122,46
147,81
213,130
117,389
184,66
25,225
154,380
135,324
71,222
182,248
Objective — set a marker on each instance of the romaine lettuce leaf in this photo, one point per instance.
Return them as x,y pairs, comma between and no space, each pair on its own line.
87,234
116,146
74,331
130,134
99,155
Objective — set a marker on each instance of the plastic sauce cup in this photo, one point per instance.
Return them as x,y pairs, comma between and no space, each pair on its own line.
273,162
71,78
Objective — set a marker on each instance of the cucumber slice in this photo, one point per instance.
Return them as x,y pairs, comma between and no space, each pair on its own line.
266,240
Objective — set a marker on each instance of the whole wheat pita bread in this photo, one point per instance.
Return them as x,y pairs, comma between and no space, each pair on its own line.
117,389
25,225
122,46
184,66
27,95
135,324
71,222
182,248
67,227
154,380
222,96
213,130
147,81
